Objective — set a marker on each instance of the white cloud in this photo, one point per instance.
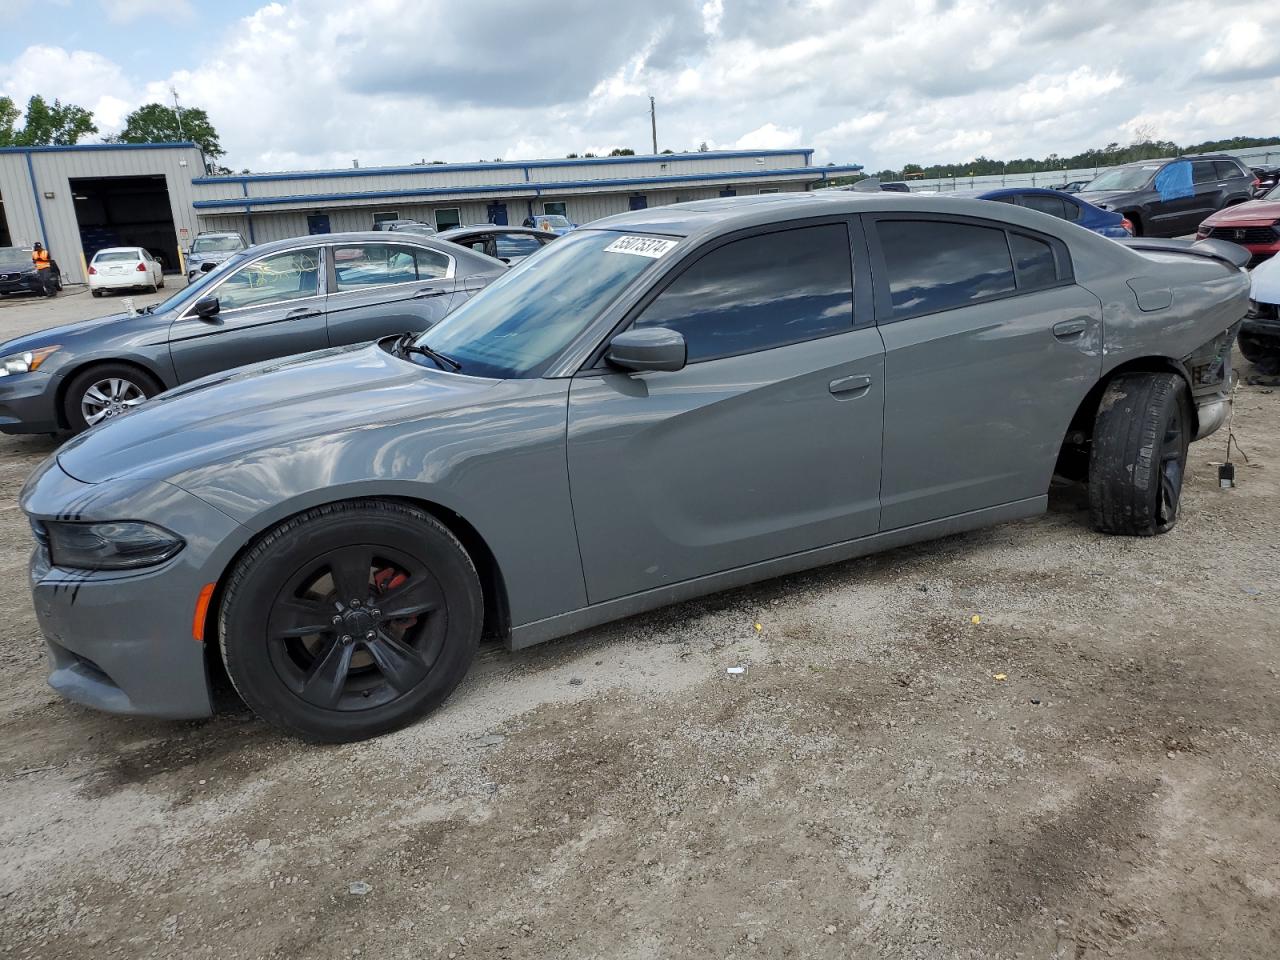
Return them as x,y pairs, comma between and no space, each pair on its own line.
882,82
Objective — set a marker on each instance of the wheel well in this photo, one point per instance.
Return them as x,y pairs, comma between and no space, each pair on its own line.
497,614
89,365
1080,430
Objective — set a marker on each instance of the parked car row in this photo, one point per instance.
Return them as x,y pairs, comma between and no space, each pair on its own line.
569,445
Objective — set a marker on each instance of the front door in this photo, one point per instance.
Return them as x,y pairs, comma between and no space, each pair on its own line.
767,443
989,349
271,307
379,289
498,214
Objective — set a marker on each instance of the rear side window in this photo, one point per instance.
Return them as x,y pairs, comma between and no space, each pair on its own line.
760,292
939,265
1227,170
379,264
1054,206
1202,172
1034,261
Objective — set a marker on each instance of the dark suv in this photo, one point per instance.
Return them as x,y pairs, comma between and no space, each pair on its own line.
1169,198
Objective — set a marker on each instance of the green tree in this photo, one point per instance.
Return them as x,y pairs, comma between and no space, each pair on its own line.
44,124
157,123
622,152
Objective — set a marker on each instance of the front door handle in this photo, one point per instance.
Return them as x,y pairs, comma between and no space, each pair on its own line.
1069,329
850,388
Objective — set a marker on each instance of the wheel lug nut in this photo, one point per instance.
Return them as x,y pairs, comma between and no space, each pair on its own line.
370,635
337,619
346,638
355,603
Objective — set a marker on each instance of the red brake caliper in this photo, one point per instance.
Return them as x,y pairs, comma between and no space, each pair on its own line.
388,579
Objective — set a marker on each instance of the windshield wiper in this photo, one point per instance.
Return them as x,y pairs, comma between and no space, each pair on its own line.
406,347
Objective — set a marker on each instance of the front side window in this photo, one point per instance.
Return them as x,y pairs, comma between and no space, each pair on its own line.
518,324
936,265
760,292
274,279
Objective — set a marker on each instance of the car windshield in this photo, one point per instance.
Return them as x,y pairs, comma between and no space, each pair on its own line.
554,219
216,245
193,291
14,257
515,326
1123,178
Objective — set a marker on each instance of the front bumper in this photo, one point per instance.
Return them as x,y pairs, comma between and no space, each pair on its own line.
21,283
29,403
122,641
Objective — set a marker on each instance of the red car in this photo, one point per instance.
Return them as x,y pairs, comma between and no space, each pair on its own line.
1254,225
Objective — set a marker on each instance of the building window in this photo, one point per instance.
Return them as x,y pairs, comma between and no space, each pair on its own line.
556,208
768,189
382,216
448,217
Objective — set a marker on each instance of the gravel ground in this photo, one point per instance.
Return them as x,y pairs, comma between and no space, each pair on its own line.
1031,741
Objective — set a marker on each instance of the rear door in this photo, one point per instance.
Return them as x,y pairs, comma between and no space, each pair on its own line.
378,289
270,307
767,443
989,348
1210,196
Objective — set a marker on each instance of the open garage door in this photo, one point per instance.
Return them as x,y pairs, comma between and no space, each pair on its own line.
5,240
126,212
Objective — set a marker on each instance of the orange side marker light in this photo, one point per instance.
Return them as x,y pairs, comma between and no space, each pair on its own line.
202,612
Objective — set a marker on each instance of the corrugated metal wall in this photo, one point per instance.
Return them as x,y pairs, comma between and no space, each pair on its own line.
53,170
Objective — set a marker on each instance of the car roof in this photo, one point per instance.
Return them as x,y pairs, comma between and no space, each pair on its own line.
706,218
454,232
217,233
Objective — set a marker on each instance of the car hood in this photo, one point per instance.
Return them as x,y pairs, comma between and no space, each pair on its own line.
1253,211
64,333
268,404
1108,197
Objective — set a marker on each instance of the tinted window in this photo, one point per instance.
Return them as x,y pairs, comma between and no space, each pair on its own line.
761,292
516,245
274,279
1202,172
1227,170
1034,261
1054,206
933,265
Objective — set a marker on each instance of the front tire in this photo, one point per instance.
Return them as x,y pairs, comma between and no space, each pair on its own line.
1139,454
351,620
1263,354
102,392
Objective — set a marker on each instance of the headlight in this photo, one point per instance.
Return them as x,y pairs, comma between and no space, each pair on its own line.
25,362
116,545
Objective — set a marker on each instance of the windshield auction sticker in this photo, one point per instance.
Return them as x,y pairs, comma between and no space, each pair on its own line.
653,247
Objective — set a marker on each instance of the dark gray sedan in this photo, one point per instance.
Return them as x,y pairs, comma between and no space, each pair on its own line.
272,300
657,406
509,244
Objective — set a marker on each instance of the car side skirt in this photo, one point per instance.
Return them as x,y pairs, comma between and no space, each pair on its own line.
539,631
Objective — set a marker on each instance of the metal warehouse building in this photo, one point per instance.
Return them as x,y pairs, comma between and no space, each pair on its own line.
79,199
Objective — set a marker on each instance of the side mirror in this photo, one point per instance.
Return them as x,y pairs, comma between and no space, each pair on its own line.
648,348
207,308
208,266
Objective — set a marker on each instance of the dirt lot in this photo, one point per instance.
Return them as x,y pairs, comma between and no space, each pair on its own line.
869,788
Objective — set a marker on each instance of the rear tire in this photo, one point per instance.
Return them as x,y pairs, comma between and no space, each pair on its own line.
1139,454
1263,354
96,293
351,620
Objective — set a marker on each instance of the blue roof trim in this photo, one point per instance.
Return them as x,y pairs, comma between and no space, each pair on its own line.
90,147
533,189
525,165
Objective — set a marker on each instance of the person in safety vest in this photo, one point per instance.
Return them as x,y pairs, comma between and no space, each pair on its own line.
40,257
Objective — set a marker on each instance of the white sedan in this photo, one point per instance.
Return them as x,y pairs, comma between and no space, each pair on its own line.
118,268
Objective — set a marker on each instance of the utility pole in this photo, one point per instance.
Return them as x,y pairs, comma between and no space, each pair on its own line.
653,124
178,111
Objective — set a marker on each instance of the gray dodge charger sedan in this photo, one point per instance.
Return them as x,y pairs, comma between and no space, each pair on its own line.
658,405
272,300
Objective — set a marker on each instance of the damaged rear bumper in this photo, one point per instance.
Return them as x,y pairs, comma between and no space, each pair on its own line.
1212,378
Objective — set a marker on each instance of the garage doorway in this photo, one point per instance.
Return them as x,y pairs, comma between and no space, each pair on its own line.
5,239
126,212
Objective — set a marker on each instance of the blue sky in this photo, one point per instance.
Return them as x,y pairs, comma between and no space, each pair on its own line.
317,83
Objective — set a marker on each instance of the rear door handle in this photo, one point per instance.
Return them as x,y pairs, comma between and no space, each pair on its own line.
428,292
850,388
301,313
1069,329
